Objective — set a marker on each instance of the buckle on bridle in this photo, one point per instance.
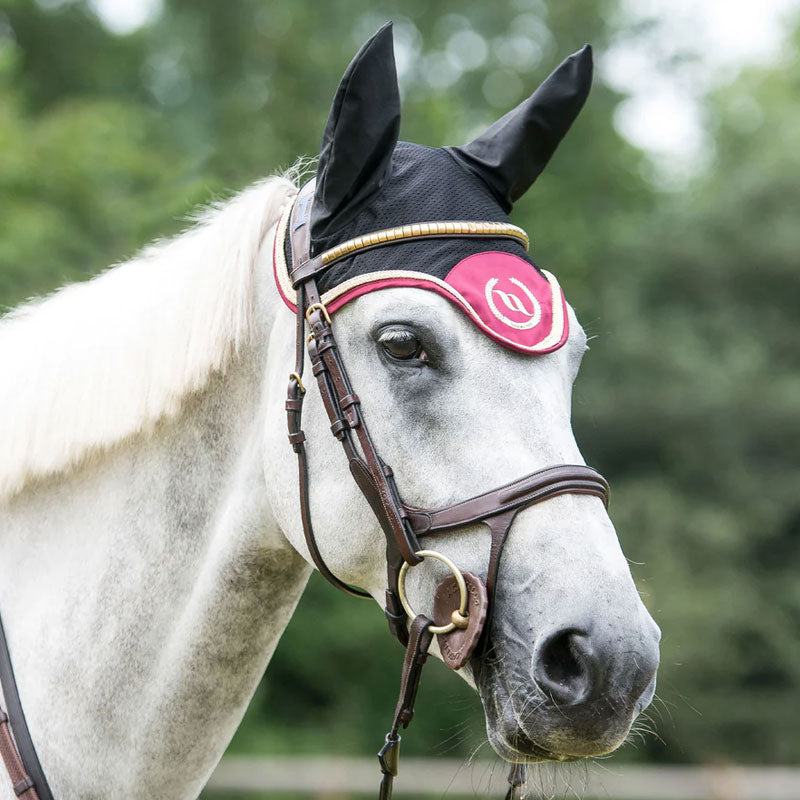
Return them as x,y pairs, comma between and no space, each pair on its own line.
318,307
389,755
293,376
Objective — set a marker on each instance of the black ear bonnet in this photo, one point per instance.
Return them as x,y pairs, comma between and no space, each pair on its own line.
368,181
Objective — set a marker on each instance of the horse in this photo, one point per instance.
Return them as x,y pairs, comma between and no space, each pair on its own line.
151,544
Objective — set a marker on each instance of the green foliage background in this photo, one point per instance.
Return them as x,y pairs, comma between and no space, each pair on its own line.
688,402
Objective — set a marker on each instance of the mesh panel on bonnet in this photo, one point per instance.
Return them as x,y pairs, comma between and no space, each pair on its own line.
491,279
425,184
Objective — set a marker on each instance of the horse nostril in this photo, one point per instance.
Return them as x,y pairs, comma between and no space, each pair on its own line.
564,666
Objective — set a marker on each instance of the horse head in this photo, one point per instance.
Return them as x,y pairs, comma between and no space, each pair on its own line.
463,354
148,569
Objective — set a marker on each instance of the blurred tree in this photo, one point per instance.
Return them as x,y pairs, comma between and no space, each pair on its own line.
64,51
84,181
691,404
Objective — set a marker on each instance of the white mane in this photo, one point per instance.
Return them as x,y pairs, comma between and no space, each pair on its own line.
102,360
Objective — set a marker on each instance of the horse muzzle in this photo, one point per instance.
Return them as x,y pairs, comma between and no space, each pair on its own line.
576,694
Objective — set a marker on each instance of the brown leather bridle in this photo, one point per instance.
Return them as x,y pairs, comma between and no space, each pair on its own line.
402,524
17,751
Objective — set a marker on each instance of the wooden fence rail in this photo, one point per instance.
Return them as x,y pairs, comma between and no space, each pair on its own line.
342,777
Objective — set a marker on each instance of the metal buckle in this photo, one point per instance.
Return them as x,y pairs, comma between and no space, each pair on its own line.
459,616
318,307
389,755
299,382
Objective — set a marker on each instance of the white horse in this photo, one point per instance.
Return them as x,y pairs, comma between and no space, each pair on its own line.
151,545
151,552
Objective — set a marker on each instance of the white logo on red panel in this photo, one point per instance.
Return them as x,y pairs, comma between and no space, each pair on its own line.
530,311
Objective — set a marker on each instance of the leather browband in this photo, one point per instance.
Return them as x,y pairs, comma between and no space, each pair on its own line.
457,229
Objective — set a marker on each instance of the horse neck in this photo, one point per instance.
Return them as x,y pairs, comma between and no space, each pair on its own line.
144,593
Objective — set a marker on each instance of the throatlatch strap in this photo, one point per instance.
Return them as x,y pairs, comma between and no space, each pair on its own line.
21,761
343,409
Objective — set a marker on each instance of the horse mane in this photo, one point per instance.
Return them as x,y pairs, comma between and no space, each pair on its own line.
102,360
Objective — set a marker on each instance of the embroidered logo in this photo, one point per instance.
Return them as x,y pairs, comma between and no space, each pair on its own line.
511,300
531,313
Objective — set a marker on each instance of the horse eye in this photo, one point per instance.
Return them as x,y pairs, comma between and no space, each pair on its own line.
402,344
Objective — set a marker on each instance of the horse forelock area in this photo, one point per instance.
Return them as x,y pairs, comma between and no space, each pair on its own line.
99,361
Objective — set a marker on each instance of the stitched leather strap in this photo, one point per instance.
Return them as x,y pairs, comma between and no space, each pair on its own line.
18,754
419,640
343,409
20,780
530,490
497,508
294,417
346,417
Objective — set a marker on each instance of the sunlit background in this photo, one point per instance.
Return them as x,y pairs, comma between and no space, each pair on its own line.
680,50
670,215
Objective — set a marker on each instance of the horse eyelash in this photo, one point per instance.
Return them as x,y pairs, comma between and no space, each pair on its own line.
397,335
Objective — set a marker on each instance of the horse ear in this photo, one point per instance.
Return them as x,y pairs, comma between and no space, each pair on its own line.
511,154
360,136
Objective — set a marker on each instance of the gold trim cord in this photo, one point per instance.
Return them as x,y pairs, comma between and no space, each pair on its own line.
422,230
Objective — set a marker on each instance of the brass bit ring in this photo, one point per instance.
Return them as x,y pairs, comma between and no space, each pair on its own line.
459,616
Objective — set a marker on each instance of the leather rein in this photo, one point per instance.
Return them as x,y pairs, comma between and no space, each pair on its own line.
403,525
463,600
